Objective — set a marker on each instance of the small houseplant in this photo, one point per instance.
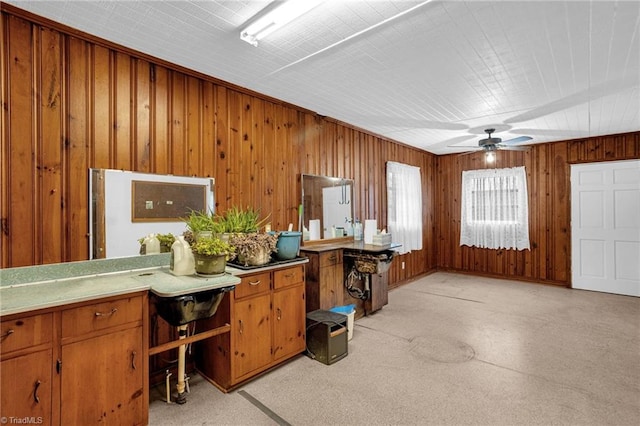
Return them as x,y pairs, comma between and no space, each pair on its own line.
202,224
236,220
211,255
254,248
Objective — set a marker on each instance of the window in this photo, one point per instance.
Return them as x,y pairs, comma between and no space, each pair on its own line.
404,206
495,211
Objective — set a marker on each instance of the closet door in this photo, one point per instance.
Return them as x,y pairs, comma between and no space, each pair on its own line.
605,227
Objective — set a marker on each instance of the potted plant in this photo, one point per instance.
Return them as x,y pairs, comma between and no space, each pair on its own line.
202,224
236,220
254,248
211,255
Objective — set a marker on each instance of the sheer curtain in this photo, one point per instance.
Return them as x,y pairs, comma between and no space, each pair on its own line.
495,211
404,206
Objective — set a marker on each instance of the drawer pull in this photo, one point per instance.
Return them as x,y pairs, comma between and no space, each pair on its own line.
332,258
8,333
133,360
254,282
36,398
108,314
288,275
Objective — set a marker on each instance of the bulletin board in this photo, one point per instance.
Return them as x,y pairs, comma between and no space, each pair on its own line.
165,201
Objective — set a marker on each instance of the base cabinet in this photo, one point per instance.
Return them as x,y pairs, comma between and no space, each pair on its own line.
77,365
101,380
324,280
26,388
266,312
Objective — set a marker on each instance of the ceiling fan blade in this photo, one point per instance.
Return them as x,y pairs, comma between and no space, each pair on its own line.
516,140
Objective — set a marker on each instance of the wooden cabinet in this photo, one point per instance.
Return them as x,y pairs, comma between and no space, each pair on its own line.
26,369
80,364
324,281
266,312
102,370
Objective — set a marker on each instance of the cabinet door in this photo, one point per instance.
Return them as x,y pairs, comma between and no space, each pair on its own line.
26,388
331,286
288,321
102,380
251,332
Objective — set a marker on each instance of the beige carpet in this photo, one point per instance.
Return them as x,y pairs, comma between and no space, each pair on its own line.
452,350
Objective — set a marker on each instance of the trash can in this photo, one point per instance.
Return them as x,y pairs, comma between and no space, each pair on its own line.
350,312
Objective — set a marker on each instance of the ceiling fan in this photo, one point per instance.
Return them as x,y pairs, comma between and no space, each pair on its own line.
491,144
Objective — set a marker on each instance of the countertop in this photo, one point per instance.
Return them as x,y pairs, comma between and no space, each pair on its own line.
28,289
347,244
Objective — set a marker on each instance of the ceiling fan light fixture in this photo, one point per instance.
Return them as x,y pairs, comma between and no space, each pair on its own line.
276,18
490,157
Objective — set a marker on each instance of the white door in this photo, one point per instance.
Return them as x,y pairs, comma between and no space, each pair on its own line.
605,227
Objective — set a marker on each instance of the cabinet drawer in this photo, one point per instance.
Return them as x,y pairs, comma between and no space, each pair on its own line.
287,277
26,332
330,258
98,316
253,284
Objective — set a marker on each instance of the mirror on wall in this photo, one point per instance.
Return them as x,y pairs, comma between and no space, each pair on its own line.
327,206
126,206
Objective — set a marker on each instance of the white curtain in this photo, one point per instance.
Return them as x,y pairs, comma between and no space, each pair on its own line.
495,211
404,206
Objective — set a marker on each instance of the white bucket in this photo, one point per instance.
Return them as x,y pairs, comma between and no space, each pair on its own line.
350,318
350,312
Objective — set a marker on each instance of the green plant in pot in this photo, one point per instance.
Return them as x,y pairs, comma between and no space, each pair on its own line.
211,255
236,220
202,224
254,248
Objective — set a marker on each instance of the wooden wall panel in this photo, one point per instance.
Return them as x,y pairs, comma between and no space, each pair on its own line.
95,104
118,110
549,187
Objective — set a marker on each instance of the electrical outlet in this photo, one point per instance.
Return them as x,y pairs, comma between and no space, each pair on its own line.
402,265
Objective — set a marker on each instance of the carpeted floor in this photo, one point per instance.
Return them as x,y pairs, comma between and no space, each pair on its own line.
452,349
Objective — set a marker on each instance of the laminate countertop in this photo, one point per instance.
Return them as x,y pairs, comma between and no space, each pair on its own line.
32,288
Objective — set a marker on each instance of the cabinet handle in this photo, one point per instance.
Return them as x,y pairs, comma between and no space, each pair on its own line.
113,311
288,275
279,313
36,398
133,359
241,326
8,333
332,258
254,282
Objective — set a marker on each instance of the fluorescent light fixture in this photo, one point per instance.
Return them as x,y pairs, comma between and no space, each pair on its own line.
276,18
490,157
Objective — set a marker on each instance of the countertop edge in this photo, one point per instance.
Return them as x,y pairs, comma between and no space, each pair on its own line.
15,294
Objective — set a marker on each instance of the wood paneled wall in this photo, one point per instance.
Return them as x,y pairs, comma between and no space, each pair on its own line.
549,187
72,102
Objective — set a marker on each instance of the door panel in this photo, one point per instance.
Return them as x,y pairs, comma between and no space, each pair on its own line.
605,227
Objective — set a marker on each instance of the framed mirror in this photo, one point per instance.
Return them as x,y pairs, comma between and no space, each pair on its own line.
327,207
125,206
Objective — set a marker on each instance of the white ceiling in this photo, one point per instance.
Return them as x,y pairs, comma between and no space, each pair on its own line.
428,74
